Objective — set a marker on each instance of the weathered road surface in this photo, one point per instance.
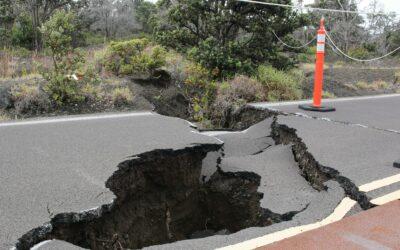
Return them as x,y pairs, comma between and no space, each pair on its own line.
314,168
61,165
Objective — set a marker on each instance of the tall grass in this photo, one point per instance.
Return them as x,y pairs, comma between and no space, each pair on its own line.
17,63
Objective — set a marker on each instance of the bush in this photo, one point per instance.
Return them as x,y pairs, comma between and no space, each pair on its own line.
279,85
122,96
233,94
200,90
134,57
22,33
359,52
29,99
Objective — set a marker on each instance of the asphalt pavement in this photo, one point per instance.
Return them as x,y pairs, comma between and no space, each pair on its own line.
59,165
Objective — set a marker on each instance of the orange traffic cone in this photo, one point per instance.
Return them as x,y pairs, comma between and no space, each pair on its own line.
319,74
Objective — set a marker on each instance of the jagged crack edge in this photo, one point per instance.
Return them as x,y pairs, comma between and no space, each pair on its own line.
283,134
41,233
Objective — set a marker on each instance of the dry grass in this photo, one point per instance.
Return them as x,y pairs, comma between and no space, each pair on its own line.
4,117
14,66
122,96
376,85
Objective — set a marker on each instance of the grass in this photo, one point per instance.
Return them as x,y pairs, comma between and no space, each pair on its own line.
328,95
376,85
4,117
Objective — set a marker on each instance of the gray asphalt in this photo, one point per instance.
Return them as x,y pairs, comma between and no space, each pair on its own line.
284,189
380,112
45,165
62,166
361,154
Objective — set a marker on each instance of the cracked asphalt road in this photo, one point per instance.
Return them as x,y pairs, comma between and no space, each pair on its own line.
71,160
61,165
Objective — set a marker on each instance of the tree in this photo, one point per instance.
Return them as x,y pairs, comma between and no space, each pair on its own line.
144,11
42,10
112,18
226,36
22,33
57,35
7,17
345,28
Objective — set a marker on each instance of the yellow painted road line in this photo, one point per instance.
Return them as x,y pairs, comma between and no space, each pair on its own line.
379,183
386,198
340,211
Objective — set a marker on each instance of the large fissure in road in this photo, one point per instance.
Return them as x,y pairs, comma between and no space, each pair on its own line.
162,196
314,172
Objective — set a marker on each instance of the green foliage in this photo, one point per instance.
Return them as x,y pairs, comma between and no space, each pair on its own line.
224,59
144,11
225,36
22,33
6,20
200,89
134,57
359,52
279,85
61,85
57,35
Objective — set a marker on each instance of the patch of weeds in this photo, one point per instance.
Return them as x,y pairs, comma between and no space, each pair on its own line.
29,99
122,96
279,85
4,116
376,85
328,95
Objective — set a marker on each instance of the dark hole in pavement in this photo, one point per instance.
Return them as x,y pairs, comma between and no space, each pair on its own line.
162,197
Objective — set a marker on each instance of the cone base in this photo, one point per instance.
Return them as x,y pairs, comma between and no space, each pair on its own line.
310,107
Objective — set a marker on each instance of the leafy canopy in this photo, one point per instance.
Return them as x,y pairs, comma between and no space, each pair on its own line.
226,36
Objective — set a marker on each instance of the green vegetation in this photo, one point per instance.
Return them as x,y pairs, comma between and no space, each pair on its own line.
228,37
134,57
57,36
209,56
279,85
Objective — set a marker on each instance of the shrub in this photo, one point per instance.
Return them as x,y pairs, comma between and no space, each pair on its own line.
22,33
122,96
135,56
92,93
279,85
241,87
359,52
57,35
200,90
234,93
29,99
175,65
